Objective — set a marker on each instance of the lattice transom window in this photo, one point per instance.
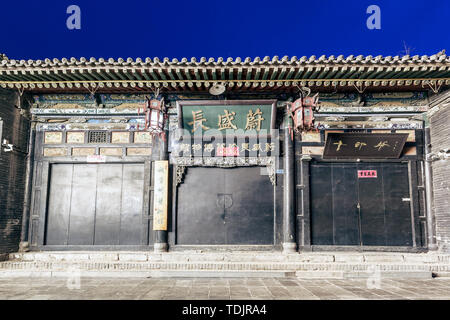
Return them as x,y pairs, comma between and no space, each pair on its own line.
98,137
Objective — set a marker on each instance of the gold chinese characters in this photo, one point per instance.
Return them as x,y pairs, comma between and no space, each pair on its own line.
198,121
228,120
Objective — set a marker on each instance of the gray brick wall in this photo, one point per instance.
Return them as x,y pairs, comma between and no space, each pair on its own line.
12,172
440,139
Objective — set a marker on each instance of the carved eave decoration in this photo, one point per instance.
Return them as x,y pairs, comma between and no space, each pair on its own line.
224,162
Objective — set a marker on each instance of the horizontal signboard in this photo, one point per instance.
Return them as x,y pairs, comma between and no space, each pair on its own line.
228,116
349,145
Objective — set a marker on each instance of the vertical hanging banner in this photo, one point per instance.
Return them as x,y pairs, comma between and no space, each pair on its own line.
160,195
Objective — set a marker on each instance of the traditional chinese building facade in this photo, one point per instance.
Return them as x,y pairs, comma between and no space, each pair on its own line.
230,171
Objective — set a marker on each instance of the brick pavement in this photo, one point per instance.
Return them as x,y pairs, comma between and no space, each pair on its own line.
220,289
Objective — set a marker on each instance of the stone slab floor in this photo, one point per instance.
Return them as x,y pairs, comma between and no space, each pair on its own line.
220,289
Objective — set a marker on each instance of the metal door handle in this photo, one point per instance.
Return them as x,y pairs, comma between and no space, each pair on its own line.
406,199
228,201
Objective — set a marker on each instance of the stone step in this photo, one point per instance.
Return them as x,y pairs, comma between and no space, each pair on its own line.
307,275
147,274
145,266
305,265
267,265
374,257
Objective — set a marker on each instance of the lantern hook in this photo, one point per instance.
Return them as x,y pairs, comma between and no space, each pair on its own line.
304,91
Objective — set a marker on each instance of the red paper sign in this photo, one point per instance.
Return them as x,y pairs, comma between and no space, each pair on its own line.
227,151
367,173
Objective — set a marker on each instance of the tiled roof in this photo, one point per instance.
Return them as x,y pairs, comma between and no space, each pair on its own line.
436,58
200,73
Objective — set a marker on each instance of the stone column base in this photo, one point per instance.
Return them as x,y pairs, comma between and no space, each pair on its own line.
160,247
289,247
24,246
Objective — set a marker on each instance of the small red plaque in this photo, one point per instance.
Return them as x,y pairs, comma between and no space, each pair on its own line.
227,151
367,173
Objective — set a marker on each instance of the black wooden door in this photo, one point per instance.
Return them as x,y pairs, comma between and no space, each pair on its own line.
95,204
225,206
350,210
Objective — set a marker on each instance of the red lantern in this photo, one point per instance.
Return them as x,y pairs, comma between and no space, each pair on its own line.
155,117
302,112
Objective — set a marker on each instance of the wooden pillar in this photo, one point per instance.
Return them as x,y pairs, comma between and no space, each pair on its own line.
303,201
161,238
431,232
289,242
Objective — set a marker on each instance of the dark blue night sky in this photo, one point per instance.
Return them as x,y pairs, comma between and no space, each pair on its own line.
243,28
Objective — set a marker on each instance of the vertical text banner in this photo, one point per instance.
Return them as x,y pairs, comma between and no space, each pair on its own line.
160,196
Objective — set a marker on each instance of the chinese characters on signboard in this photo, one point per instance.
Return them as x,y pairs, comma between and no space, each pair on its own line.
367,174
250,147
227,117
364,145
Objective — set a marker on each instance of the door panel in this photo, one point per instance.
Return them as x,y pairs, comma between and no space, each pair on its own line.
371,199
131,217
109,194
82,211
59,204
345,212
249,219
398,214
333,202
200,216
321,205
